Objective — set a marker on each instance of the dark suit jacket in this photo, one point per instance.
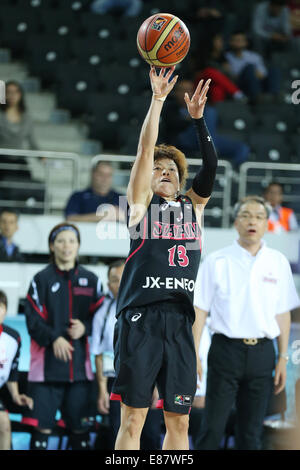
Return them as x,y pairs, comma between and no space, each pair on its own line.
16,256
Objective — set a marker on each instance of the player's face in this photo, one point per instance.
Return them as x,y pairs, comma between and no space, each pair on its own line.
251,222
165,178
114,279
274,195
8,224
2,312
65,247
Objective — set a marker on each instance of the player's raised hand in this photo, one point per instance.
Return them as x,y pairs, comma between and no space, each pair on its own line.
196,104
161,86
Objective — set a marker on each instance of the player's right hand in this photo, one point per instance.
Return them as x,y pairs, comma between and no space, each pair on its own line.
160,84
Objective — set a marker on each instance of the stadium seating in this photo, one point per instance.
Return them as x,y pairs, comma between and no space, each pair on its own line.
270,147
44,56
74,83
15,26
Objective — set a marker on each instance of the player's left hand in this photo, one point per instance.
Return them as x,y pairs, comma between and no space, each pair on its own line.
23,400
196,104
280,376
76,330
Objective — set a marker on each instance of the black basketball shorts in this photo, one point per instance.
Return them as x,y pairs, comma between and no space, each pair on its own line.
154,345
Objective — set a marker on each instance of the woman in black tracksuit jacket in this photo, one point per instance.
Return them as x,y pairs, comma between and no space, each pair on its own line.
61,301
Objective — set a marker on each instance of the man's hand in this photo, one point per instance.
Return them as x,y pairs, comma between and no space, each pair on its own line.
280,375
23,400
199,370
103,402
62,349
76,330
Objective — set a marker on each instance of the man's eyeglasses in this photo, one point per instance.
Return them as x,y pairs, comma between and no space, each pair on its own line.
259,217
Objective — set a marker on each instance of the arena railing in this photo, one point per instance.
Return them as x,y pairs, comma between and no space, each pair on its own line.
219,205
260,173
67,161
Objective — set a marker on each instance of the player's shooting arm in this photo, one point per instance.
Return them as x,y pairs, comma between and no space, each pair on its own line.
139,188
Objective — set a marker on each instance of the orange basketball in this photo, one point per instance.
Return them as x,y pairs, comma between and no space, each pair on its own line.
163,40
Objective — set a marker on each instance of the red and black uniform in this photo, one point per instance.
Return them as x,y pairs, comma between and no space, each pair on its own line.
153,341
54,298
164,256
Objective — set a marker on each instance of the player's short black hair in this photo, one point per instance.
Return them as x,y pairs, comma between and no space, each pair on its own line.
3,298
9,210
252,198
115,264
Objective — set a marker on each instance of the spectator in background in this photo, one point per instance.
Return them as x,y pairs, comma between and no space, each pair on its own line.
10,346
82,205
249,291
9,251
282,219
123,7
61,302
213,64
208,14
180,130
16,130
249,71
294,12
271,27
102,346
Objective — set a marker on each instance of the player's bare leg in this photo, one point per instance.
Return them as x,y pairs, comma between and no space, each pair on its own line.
177,426
132,422
5,431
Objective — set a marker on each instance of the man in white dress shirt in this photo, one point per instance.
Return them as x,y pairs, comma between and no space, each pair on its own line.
249,291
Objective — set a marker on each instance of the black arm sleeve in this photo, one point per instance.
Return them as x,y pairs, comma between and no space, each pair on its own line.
204,179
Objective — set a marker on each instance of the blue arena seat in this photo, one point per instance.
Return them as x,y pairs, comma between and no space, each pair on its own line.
104,27
270,147
122,80
44,56
91,51
109,112
15,26
74,83
62,24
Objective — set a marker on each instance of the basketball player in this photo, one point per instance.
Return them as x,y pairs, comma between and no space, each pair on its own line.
153,341
61,301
